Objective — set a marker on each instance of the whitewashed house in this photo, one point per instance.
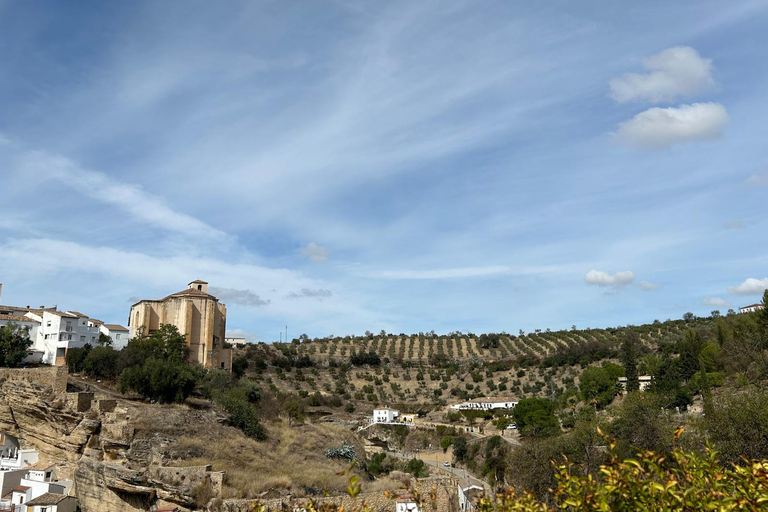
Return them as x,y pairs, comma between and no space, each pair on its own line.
406,503
385,415
644,381
484,404
59,331
235,341
52,502
33,326
751,308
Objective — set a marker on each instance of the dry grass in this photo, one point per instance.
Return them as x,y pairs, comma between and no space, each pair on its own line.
291,461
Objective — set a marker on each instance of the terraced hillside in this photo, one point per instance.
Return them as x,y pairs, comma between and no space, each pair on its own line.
427,369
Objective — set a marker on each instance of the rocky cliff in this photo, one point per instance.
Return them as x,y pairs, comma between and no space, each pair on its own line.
98,439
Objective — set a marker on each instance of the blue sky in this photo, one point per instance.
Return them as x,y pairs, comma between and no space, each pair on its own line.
408,166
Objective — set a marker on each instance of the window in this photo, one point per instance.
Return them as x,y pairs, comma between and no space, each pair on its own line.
43,509
48,324
82,338
46,336
222,364
200,287
117,336
47,475
69,336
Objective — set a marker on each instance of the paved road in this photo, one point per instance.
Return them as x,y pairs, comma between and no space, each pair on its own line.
465,479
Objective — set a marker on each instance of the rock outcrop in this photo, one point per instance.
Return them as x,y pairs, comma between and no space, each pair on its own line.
116,466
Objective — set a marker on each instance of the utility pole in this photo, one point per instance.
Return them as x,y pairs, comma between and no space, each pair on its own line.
281,336
286,334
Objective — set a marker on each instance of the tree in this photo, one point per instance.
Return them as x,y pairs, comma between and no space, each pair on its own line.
294,408
535,417
104,340
239,365
459,449
417,468
629,359
598,384
14,344
688,316
101,362
690,348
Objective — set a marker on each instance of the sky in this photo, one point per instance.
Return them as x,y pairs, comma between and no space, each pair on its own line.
336,166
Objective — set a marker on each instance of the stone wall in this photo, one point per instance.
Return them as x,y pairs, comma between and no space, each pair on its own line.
437,495
54,377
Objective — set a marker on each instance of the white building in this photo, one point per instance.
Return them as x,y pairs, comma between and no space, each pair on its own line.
59,331
484,404
751,308
644,380
52,502
385,415
468,496
12,456
117,333
235,342
35,356
406,503
40,480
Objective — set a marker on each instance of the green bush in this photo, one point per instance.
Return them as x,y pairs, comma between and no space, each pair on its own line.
160,381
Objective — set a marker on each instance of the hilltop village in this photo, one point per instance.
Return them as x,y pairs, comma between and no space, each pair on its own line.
167,413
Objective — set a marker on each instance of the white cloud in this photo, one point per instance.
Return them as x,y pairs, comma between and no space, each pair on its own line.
715,302
660,128
133,199
734,224
751,286
600,278
675,72
648,286
758,180
447,273
315,253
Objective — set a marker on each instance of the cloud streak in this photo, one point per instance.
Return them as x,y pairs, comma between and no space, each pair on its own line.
308,293
241,297
130,198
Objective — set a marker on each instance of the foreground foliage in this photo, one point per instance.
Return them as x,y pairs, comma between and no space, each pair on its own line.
650,481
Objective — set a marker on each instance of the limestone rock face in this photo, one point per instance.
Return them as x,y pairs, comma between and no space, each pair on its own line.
115,467
42,418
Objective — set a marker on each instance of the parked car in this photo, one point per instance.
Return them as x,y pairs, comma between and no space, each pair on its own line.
447,464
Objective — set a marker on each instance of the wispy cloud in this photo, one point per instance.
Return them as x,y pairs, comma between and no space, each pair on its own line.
315,253
715,302
734,224
662,128
133,199
307,293
648,286
242,297
750,286
758,180
676,72
446,273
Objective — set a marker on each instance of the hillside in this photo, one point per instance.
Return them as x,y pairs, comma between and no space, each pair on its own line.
431,370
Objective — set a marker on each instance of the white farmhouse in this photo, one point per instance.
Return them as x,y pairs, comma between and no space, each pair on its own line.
385,415
751,308
644,381
484,404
